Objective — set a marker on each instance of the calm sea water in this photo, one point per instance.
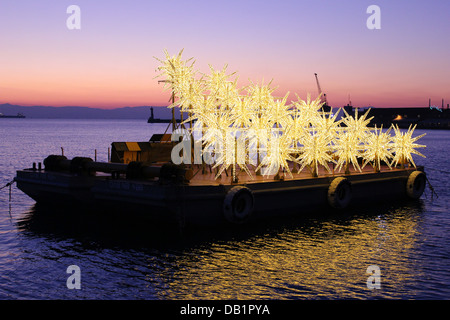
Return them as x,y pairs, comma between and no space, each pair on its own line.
297,258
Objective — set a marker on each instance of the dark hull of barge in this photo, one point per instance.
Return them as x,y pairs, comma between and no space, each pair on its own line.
209,201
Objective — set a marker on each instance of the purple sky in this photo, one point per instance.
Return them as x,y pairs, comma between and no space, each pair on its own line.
109,61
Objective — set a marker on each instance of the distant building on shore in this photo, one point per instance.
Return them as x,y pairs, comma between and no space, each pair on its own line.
432,117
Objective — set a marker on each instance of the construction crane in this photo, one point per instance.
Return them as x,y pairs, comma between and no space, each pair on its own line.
324,96
325,106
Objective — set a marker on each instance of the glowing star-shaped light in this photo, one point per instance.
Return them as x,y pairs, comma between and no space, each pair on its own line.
316,150
258,135
176,71
357,125
296,127
235,126
404,146
218,82
190,95
326,121
231,153
309,109
348,149
279,114
277,154
261,97
242,112
378,148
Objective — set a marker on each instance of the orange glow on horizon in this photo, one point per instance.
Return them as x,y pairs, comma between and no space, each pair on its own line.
110,63
135,85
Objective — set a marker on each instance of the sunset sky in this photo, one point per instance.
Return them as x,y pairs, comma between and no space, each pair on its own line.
110,63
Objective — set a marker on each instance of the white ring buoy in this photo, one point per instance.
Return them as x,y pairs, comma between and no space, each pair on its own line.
416,184
238,204
339,193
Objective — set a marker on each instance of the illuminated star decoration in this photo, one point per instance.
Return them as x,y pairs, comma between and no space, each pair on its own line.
309,109
259,98
347,150
279,114
357,125
350,139
178,74
378,148
241,125
316,150
278,152
404,146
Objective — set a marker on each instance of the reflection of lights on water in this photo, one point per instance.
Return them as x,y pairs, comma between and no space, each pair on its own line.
321,259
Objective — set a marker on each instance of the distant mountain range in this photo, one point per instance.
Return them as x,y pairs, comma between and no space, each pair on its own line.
69,112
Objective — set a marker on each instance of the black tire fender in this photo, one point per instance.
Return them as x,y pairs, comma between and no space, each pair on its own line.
238,204
339,193
415,185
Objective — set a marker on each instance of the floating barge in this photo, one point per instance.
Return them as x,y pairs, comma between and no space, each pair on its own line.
191,195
